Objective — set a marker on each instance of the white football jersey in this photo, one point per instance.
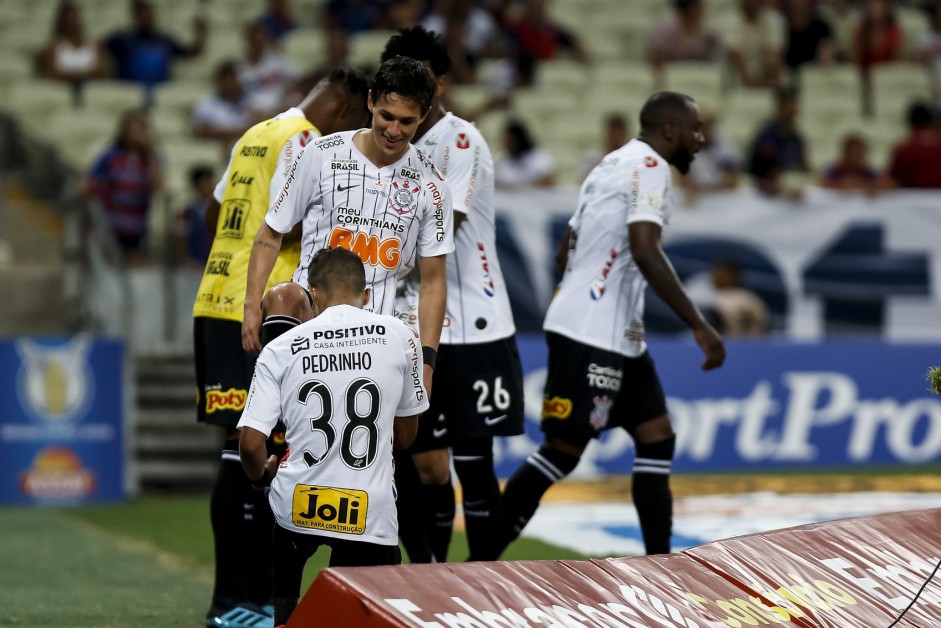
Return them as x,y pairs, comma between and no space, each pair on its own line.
478,307
388,216
600,301
337,382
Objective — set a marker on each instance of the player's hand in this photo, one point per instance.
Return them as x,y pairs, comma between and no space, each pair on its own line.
428,374
711,344
271,466
251,331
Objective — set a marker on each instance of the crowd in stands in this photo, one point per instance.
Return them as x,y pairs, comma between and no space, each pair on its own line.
502,46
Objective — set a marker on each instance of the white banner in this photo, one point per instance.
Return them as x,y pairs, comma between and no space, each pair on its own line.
831,262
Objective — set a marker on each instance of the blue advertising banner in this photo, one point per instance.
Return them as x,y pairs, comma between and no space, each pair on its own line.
774,405
61,438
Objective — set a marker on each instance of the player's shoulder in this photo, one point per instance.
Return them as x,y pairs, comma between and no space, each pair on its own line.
423,167
642,155
396,326
462,134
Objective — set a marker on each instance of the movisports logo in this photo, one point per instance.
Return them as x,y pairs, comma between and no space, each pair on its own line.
556,408
232,399
330,509
373,250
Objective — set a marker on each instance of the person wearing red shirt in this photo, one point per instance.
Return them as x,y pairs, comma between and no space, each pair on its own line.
916,161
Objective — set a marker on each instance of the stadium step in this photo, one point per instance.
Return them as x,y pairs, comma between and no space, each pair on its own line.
171,451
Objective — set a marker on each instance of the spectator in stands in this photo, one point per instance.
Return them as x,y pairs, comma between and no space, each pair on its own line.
930,50
539,38
354,16
841,16
717,163
852,171
124,180
877,38
809,38
616,134
143,54
70,56
525,164
224,114
779,146
916,161
470,32
265,75
681,37
753,41
739,311
193,235
278,19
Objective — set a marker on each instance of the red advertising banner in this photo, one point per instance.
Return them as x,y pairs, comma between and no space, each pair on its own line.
856,572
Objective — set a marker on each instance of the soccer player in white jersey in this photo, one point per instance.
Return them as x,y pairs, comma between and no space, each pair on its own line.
478,377
372,192
348,387
600,374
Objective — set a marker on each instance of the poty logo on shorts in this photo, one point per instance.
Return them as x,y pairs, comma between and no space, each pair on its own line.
232,399
556,408
370,248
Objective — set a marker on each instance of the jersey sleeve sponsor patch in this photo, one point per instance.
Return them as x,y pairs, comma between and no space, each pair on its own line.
462,141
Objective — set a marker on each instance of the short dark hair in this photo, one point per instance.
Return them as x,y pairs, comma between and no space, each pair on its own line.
615,120
336,268
419,43
199,171
351,79
406,77
227,67
664,108
919,115
518,130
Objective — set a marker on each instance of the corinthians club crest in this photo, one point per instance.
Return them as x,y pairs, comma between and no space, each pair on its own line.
402,199
53,379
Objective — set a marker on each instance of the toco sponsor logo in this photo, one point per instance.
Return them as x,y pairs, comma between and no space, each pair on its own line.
344,164
556,408
328,142
254,151
231,399
370,248
438,199
330,509
604,377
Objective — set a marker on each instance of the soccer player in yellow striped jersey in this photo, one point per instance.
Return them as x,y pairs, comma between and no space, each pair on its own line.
478,376
260,161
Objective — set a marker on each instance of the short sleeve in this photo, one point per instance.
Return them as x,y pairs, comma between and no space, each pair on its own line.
219,192
414,398
291,148
263,406
648,187
296,194
436,230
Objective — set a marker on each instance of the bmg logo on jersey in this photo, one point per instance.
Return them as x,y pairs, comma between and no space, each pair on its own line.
370,248
330,509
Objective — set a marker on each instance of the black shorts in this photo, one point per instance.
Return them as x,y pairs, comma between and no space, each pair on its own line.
477,392
223,371
589,390
290,551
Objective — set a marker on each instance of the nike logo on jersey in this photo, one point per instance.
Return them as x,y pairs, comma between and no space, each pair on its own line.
342,188
491,422
438,432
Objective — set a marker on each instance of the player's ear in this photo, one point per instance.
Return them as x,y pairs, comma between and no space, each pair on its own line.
441,85
366,294
669,131
370,104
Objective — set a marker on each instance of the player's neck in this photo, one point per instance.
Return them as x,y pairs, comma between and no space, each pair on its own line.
326,301
437,112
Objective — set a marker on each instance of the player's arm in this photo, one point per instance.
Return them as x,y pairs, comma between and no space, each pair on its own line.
260,415
212,215
287,210
404,430
646,248
562,253
432,299
218,195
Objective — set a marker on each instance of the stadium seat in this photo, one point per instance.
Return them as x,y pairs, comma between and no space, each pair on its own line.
182,154
181,95
32,100
170,123
701,80
366,48
80,134
113,96
466,98
562,75
305,46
